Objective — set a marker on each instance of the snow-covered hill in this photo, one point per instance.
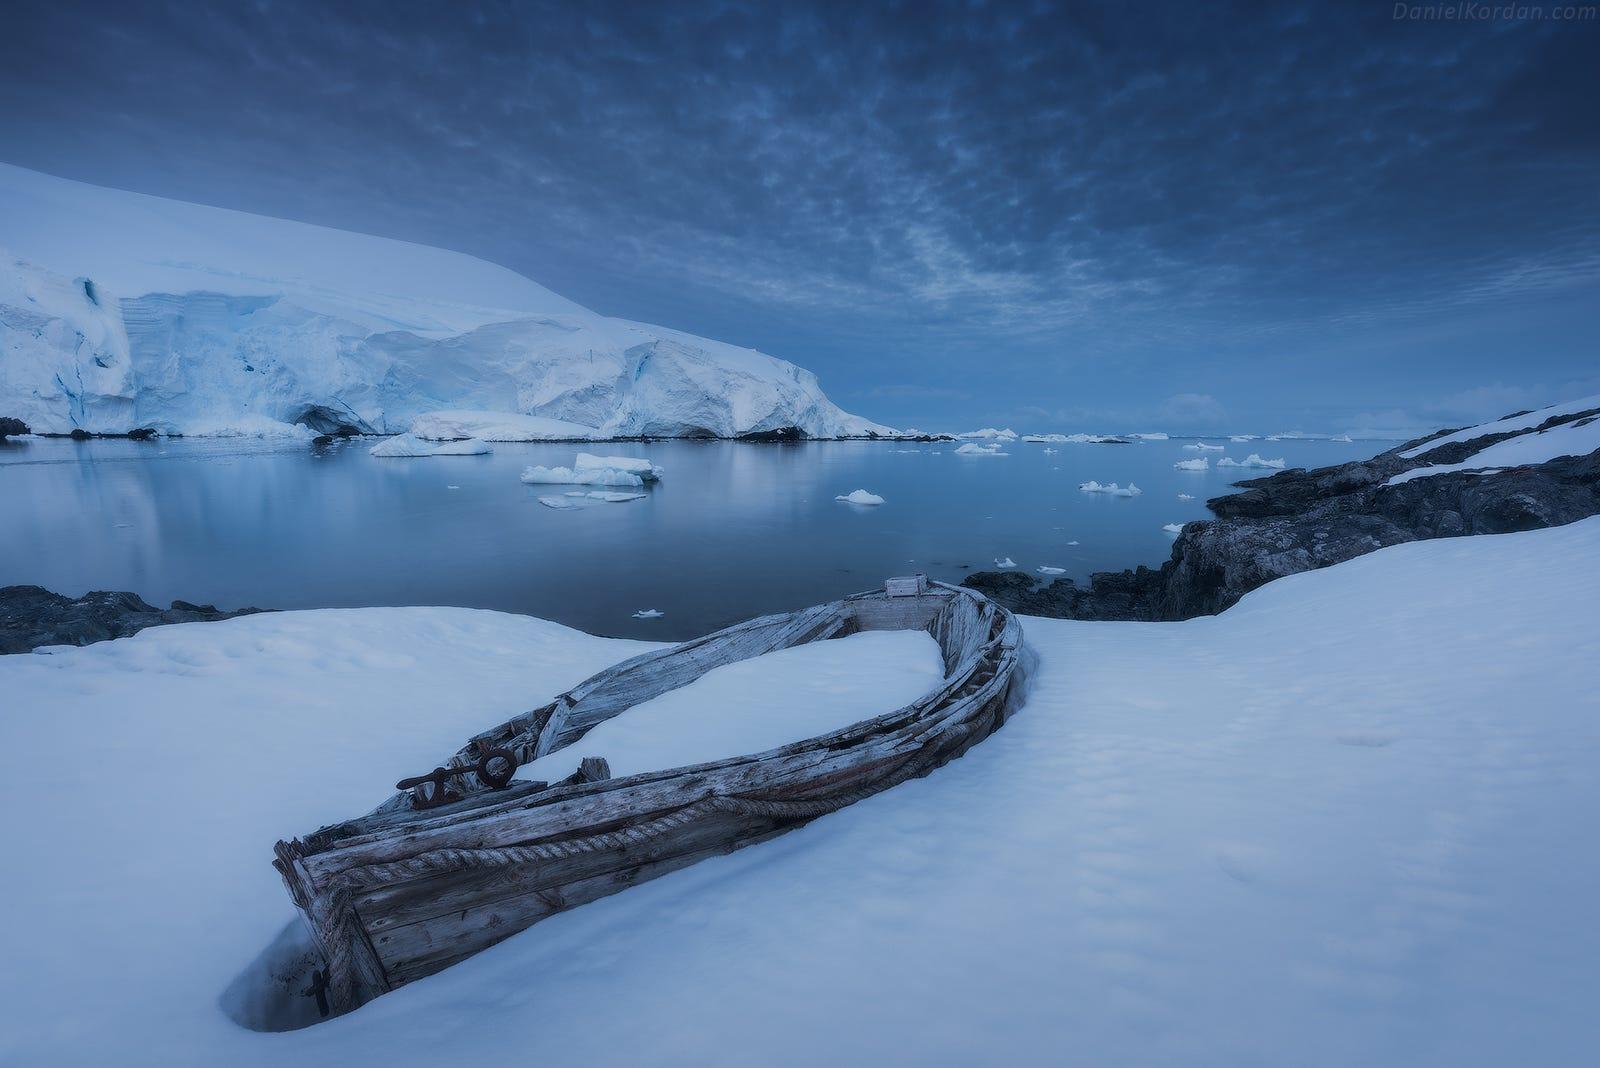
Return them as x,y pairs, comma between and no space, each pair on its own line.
119,310
1347,822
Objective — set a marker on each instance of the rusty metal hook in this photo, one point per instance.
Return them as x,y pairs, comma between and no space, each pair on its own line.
494,768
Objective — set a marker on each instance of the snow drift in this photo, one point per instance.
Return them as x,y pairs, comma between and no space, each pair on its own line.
119,310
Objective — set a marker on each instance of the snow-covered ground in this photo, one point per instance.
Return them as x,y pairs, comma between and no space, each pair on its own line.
119,310
1349,821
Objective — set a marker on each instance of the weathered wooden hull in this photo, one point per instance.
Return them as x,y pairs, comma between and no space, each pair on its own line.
400,894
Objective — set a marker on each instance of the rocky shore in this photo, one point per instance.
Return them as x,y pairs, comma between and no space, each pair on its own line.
1300,520
32,616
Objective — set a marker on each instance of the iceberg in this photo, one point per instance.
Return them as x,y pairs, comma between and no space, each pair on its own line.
1147,437
860,496
410,446
1185,496
970,449
648,613
1113,489
566,476
122,311
1004,562
989,433
632,464
1203,447
1200,463
1253,460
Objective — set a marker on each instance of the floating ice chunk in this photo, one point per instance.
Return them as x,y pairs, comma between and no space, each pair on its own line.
1173,528
1242,437
1046,569
970,449
559,502
648,613
409,446
1004,561
566,476
860,496
1199,463
1253,460
1201,446
1072,543
1147,437
1050,452
1190,496
1342,438
1112,488
989,433
609,496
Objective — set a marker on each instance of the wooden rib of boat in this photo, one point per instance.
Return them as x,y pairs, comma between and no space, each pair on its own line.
471,856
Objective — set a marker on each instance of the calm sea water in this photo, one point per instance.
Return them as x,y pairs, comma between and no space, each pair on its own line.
733,530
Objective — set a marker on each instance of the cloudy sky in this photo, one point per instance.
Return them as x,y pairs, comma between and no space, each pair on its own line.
1058,216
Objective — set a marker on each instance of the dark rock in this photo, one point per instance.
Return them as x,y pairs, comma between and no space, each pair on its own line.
781,435
31,616
144,433
10,426
1300,520
322,439
80,434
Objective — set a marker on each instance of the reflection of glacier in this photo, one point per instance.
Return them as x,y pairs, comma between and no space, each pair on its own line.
119,310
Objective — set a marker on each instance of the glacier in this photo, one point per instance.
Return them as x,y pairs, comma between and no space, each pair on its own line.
120,311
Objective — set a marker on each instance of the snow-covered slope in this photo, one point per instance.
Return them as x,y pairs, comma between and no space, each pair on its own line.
1571,428
119,310
1349,821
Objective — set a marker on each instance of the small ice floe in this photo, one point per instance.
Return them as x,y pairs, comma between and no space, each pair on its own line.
1147,437
1343,438
648,613
1112,488
1242,437
609,496
1046,569
1201,446
409,446
859,496
1173,528
1072,543
1190,496
1199,463
970,449
452,487
1253,460
1050,452
1004,561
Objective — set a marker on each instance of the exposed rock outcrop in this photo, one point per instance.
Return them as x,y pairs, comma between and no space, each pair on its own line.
32,616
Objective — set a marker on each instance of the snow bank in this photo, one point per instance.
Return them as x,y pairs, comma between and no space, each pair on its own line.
1346,822
1197,464
759,704
1112,488
410,446
1253,460
498,426
860,496
119,310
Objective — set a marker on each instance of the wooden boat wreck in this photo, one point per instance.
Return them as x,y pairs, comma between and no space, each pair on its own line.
466,856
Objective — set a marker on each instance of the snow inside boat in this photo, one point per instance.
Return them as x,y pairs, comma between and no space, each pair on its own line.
468,855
